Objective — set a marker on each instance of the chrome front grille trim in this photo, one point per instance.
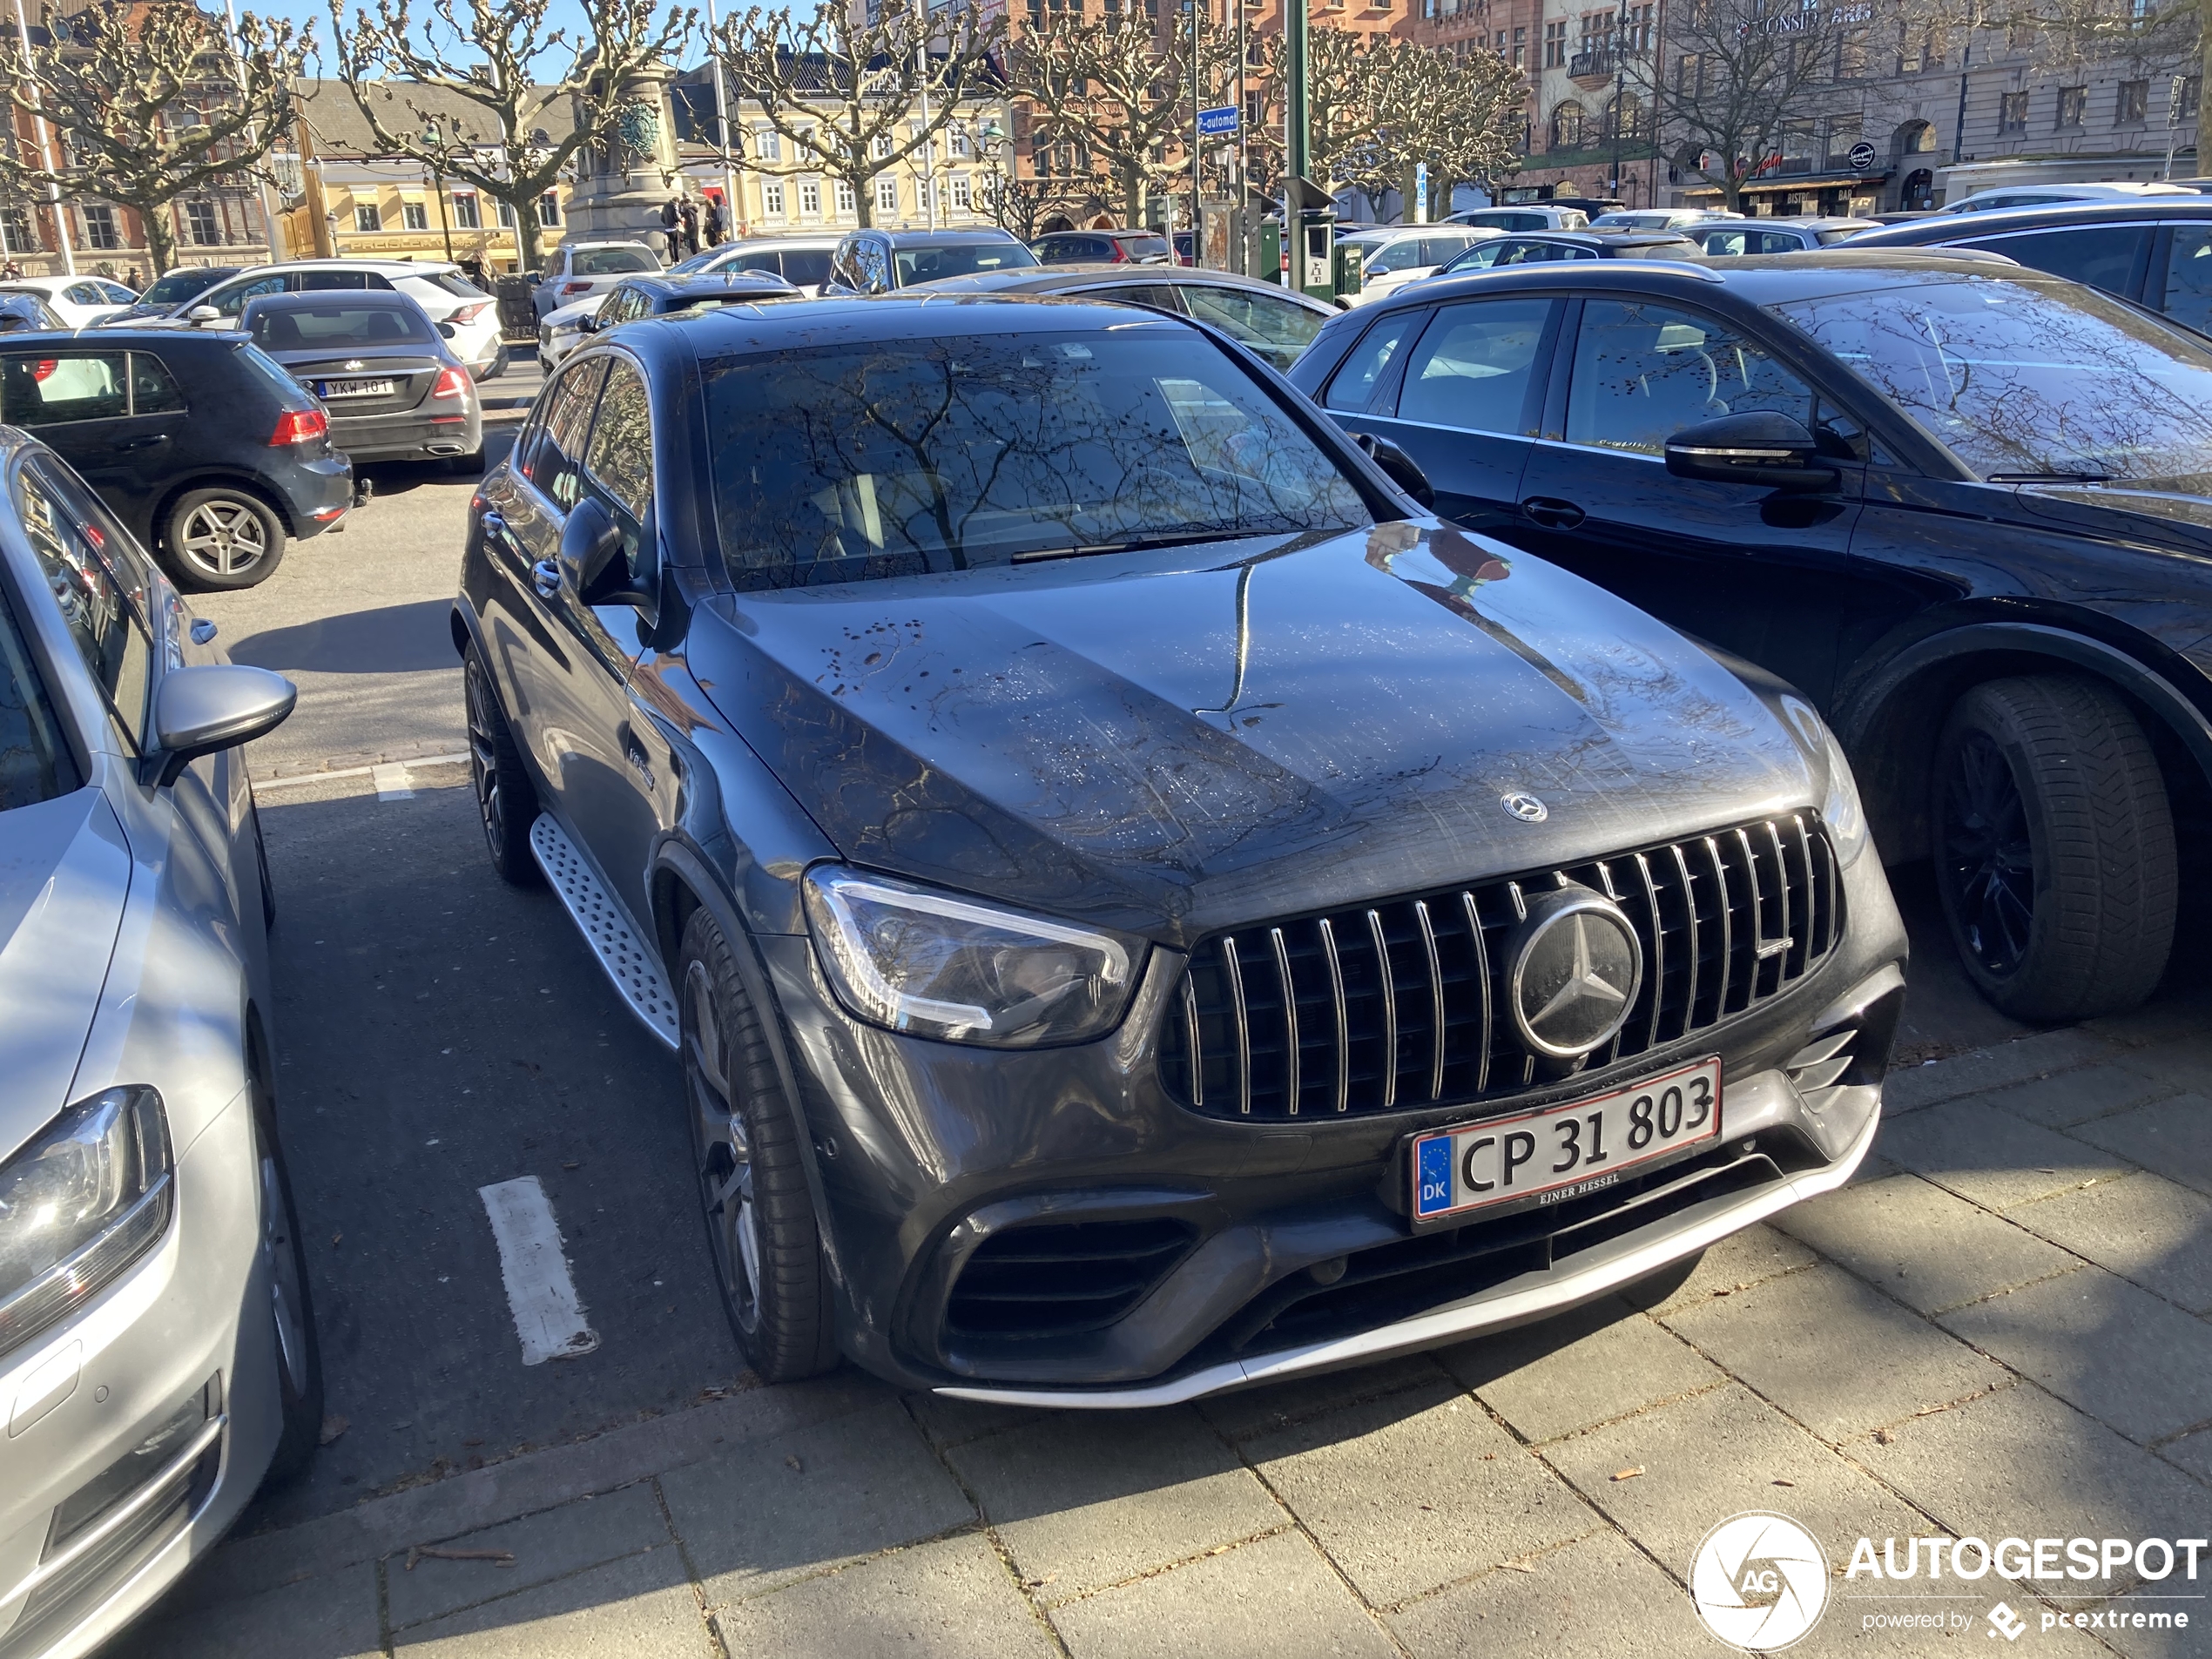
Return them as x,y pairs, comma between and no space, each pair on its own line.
1397,1003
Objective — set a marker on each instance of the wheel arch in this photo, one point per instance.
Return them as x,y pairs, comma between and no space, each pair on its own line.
269,496
1889,726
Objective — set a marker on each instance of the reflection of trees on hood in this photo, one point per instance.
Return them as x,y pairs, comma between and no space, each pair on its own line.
2018,381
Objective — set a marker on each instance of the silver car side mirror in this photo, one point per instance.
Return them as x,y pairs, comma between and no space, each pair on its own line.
202,314
203,708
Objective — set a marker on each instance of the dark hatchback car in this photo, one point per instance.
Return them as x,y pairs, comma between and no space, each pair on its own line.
27,314
210,454
1547,247
392,385
172,288
1140,905
2156,252
874,261
1268,320
1103,248
1965,508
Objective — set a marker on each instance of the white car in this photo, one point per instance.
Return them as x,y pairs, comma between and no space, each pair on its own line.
468,317
802,261
80,301
1523,216
1661,218
1997,196
581,269
1407,254
559,332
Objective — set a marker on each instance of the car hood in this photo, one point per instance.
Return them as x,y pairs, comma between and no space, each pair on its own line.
65,873
568,316
2173,510
1171,741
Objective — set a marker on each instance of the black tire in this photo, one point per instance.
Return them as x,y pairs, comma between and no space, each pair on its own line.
505,799
222,538
2054,847
760,1223
298,1353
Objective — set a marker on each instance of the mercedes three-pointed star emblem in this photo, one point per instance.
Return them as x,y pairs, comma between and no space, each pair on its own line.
1575,971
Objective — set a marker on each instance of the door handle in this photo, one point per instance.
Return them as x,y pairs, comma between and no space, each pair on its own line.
545,577
1552,513
141,443
495,524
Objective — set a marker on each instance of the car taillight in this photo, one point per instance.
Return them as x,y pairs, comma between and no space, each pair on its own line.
44,366
576,287
299,426
470,313
452,382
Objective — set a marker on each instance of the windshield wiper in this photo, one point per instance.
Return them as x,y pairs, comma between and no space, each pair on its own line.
1141,545
2050,478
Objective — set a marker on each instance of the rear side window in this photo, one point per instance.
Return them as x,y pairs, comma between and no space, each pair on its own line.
2188,277
2104,256
557,462
332,281
153,389
231,300
454,283
104,625
1354,384
48,388
807,265
1473,367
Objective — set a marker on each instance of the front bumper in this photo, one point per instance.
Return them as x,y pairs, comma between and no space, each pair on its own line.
175,1328
1218,1252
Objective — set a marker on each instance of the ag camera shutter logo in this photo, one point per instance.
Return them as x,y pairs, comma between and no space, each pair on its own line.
1760,1581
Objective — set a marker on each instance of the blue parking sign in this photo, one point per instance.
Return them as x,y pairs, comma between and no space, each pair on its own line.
1214,124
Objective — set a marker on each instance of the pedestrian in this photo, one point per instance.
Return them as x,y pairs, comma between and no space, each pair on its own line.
670,219
136,281
713,221
691,215
10,271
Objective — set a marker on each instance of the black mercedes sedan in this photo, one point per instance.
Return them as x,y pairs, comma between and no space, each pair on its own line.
394,388
1142,906
1962,506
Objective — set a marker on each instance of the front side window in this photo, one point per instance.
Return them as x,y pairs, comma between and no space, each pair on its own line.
77,564
38,390
1474,365
2104,256
231,300
2188,277
1352,388
2027,380
860,462
556,459
620,458
1643,371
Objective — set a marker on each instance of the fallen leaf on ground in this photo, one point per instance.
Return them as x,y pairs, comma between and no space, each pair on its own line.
332,1427
1628,1475
1779,1481
1517,1566
796,1467
1883,1437
441,1553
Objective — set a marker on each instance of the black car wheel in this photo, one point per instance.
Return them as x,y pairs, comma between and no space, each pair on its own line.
760,1223
223,537
299,1355
2054,847
506,800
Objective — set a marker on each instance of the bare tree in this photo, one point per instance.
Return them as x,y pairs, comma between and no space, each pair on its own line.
1119,85
151,102
2067,37
1461,117
1741,75
535,93
849,98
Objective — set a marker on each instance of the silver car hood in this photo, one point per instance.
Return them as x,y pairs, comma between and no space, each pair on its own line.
64,873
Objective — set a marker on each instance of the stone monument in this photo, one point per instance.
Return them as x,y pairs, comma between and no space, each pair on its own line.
622,185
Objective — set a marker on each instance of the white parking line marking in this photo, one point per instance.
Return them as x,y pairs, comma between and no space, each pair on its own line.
540,1293
295,779
391,783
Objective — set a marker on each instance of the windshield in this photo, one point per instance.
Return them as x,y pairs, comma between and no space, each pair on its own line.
337,326
609,261
179,286
2026,380
928,264
868,461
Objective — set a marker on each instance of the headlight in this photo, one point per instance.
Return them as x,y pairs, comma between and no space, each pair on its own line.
937,966
1840,811
78,1205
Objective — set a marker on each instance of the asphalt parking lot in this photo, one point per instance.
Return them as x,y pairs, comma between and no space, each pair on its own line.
1998,1330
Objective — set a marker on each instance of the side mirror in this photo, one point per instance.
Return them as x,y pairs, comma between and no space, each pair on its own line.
1398,466
202,315
533,277
1762,448
591,559
588,323
202,710
448,331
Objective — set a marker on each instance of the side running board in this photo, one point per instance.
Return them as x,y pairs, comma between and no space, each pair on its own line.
635,969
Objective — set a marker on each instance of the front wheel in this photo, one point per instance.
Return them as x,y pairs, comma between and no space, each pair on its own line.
2054,847
223,537
760,1223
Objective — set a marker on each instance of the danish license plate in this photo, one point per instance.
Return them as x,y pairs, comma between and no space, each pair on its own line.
358,388
1566,1151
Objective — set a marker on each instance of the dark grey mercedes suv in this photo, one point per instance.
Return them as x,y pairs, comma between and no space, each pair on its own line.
1144,907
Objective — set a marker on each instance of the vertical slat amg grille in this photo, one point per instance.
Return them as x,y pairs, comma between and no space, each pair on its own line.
1397,1004
1058,1278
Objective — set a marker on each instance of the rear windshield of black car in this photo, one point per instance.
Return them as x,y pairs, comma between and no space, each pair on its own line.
339,326
928,264
611,261
902,457
2026,379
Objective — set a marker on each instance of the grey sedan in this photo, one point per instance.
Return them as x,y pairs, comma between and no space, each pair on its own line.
156,1353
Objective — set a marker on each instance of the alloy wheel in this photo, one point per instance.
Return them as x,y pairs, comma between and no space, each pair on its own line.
1987,859
287,1295
483,760
223,538
722,1150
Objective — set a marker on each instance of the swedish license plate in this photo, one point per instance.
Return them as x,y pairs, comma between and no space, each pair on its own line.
1564,1151
358,388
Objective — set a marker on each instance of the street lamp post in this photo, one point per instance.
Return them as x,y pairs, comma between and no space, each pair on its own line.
1620,91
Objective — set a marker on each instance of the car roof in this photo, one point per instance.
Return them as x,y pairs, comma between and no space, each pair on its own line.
946,239
767,284
2042,216
611,241
769,243
132,333
1044,279
914,313
391,298
383,267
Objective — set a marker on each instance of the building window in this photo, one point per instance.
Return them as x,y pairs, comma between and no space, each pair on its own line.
810,198
1520,47
767,143
2012,112
549,211
2073,104
466,215
847,201
506,215
99,227
1555,43
2187,110
887,195
883,143
960,142
365,217
963,193
414,216
2134,100
15,234
1567,127
771,198
200,224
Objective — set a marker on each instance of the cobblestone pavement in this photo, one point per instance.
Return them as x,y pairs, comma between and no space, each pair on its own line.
1999,1329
